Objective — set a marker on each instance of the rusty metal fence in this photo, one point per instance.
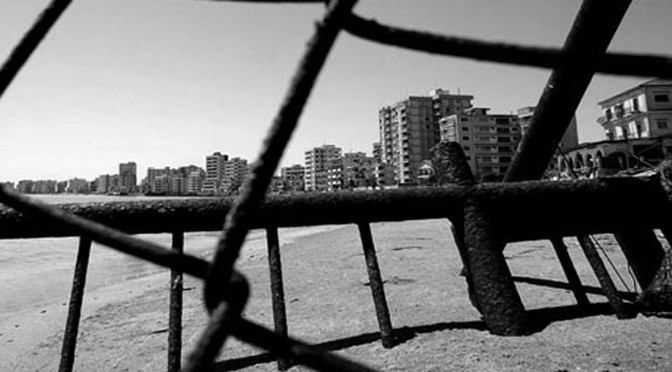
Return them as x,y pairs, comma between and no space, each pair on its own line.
480,213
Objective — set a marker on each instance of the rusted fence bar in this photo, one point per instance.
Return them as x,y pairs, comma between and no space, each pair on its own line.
495,291
603,277
570,272
611,63
75,307
376,284
175,310
587,41
277,290
569,204
30,41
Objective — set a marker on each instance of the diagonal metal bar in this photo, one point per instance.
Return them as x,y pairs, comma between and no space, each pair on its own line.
610,63
239,218
30,41
592,31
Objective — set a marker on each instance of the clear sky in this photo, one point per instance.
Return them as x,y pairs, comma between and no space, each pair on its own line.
167,82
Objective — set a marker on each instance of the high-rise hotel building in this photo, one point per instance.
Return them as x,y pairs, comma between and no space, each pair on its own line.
410,128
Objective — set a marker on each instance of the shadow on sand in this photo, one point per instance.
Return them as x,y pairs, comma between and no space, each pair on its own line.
540,318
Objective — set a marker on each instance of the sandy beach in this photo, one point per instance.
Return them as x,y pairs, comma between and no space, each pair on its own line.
124,324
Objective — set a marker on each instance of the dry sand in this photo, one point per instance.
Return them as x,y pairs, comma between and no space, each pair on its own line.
124,327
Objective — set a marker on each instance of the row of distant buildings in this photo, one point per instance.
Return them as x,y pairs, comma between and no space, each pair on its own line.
637,125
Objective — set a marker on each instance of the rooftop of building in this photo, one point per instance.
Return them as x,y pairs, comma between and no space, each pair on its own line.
650,83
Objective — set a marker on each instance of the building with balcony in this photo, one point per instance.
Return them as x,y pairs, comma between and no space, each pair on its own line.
489,141
195,180
214,172
235,170
644,111
410,128
318,163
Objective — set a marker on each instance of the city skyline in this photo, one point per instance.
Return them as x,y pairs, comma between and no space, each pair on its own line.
165,82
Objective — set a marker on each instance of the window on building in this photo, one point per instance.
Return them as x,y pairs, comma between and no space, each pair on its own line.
464,119
661,124
465,138
465,129
662,97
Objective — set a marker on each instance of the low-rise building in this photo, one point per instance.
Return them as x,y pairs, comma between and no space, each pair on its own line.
640,112
292,178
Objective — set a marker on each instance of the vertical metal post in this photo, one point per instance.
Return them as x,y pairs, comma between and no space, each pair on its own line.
75,307
603,277
277,290
175,311
376,282
570,272
495,291
451,167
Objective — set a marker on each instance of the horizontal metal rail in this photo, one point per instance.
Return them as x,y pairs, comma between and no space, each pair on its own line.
541,208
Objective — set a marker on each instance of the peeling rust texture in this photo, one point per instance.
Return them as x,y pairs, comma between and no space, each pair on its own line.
495,291
541,208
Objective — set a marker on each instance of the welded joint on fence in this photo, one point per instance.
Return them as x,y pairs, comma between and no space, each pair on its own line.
493,285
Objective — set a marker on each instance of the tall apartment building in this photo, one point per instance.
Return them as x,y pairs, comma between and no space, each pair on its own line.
235,170
155,182
377,151
292,178
128,177
644,111
318,161
569,140
409,129
195,180
489,141
214,172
